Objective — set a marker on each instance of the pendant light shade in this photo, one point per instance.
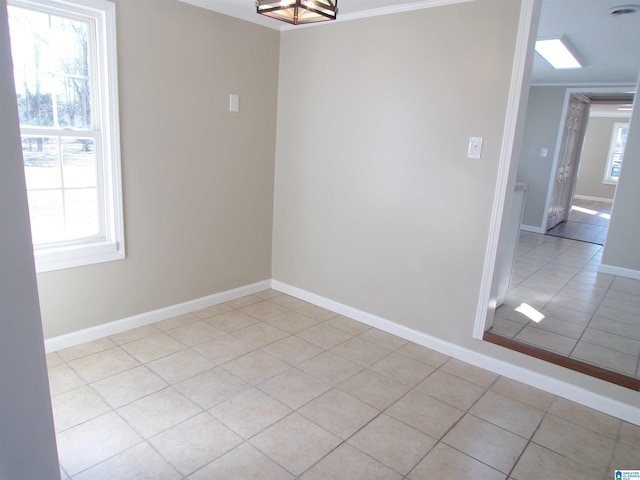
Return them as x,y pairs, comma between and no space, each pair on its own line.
298,12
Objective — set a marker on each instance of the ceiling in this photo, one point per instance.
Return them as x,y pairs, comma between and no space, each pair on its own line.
610,45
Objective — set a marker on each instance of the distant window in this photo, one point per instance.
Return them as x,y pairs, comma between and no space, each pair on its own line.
65,74
616,152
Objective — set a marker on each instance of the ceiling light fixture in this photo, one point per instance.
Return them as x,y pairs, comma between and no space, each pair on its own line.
298,12
558,52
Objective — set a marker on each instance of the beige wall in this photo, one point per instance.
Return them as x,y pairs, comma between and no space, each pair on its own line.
198,180
376,204
593,160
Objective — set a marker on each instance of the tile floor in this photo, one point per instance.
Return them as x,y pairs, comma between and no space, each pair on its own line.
588,222
589,316
270,387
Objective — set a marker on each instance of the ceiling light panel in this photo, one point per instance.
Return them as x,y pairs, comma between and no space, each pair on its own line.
558,52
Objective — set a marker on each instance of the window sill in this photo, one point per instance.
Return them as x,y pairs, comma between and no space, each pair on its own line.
58,258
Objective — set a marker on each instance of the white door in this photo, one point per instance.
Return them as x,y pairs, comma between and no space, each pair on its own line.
570,149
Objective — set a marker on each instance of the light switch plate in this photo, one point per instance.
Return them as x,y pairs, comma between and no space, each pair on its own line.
234,102
475,147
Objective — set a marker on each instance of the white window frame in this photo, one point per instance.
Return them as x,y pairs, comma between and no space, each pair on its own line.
608,179
110,245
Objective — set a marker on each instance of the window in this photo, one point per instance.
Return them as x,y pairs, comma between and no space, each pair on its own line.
616,152
64,61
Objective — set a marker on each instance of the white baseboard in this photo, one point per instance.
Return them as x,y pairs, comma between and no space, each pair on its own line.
118,326
593,199
532,229
619,271
629,413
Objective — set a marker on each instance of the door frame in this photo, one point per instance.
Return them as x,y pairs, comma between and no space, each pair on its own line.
580,91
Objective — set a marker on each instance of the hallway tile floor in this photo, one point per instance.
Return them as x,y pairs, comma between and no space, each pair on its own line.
270,387
583,314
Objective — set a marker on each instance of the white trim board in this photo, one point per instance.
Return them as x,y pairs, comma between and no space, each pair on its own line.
118,326
619,271
593,199
629,413
532,229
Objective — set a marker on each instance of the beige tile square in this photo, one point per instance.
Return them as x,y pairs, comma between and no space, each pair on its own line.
486,442
232,321
180,365
581,445
425,413
547,340
260,334
212,311
242,463
75,407
402,369
446,462
136,463
294,387
293,350
53,360
630,433
609,340
268,293
509,414
523,393
347,462
292,322
62,379
134,334
339,413
423,354
295,443
331,367
94,441
373,388
263,310
256,367
195,332
211,387
103,364
319,313
288,302
393,443
195,442
250,412
469,372
606,357
360,351
85,349
175,322
625,457
244,301
222,349
566,329
383,339
348,325
450,389
586,417
126,387
324,335
538,462
153,347
159,411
